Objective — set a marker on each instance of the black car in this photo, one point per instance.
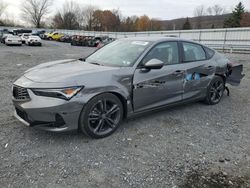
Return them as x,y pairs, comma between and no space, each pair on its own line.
39,33
21,31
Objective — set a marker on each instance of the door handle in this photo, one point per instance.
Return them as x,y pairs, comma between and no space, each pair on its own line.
209,68
178,72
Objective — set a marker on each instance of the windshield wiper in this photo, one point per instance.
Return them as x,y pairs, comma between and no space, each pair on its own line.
95,63
82,59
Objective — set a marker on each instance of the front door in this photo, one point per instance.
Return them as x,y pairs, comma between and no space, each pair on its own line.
158,87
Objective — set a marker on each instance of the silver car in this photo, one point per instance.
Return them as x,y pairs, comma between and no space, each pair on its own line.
124,78
13,40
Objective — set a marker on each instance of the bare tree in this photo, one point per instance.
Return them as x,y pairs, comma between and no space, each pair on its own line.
68,16
33,11
199,12
3,6
210,11
71,6
215,10
87,16
218,10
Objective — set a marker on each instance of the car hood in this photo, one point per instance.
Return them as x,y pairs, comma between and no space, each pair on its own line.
64,71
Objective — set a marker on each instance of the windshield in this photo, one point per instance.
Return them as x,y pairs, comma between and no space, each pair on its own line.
13,37
121,53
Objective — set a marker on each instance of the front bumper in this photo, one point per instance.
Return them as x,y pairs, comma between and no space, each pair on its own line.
35,43
50,114
13,43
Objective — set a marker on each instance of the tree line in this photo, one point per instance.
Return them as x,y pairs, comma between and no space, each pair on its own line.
239,17
75,16
72,16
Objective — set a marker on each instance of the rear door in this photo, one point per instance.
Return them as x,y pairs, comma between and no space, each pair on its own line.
199,70
157,87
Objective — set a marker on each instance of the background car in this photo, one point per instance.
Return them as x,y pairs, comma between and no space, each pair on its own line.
105,42
13,40
21,31
33,41
39,33
4,36
1,35
77,40
65,38
44,36
24,37
54,36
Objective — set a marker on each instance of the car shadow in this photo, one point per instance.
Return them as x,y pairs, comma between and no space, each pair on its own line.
124,128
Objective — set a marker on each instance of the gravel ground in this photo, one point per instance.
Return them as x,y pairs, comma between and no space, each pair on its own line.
192,145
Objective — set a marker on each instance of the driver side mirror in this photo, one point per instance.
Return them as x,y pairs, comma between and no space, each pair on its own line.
154,64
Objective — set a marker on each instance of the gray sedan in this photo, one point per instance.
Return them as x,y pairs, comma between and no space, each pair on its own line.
125,78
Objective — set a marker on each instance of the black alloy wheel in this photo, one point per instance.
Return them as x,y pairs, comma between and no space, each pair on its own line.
215,91
101,116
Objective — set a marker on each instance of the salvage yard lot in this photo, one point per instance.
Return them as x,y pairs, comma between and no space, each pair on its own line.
179,147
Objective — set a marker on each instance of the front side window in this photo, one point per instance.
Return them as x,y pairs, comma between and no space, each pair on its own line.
167,52
193,52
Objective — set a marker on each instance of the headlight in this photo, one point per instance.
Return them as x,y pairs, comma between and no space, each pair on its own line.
62,93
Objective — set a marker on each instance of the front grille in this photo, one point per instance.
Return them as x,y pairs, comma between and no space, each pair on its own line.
20,93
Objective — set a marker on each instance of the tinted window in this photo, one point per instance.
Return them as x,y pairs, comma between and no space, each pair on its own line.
167,52
193,52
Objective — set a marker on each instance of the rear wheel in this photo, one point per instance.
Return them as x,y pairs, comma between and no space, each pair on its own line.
215,90
101,116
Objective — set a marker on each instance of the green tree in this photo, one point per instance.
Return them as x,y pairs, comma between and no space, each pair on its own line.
234,19
187,25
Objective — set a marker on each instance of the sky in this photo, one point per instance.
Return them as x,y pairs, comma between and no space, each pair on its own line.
161,9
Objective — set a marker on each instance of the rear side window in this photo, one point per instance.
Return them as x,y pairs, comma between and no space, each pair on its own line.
210,52
193,52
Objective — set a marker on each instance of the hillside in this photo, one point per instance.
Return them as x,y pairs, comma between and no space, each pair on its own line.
206,22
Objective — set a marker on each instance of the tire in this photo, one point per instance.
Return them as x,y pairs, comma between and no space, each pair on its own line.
215,91
98,120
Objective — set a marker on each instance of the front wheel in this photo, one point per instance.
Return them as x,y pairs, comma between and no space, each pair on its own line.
101,116
215,90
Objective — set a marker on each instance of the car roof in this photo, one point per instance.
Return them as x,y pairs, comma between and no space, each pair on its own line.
13,36
157,39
